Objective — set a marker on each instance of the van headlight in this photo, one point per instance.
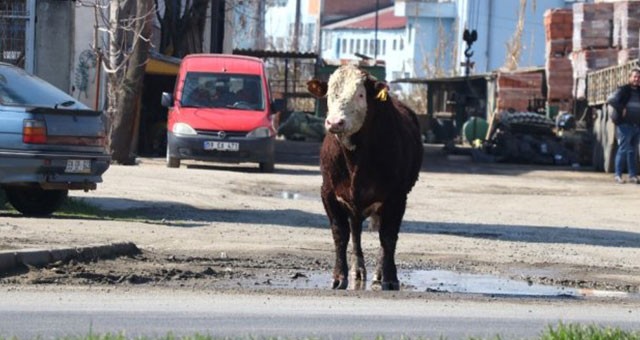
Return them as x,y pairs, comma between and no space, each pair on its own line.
261,132
183,129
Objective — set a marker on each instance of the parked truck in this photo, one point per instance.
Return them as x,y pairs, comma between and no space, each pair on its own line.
600,84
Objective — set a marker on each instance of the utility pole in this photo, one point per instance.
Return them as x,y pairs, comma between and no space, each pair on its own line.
260,39
217,26
296,29
375,53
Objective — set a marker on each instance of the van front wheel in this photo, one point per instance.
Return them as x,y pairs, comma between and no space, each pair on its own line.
172,162
267,167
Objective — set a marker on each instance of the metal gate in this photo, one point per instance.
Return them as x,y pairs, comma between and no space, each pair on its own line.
16,32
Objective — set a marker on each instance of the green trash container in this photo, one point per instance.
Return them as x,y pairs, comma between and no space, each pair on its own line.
474,128
552,111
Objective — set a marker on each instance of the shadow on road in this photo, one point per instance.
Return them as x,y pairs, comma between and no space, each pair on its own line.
187,216
531,234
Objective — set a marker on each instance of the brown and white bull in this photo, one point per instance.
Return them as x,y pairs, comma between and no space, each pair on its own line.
370,159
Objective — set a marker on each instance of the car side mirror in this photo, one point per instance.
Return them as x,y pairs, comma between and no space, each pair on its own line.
167,99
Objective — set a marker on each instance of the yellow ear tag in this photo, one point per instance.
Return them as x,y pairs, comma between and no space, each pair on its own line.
382,95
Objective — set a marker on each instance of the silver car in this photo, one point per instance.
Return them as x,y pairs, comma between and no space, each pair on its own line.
49,143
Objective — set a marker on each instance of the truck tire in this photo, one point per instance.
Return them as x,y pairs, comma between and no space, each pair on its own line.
597,159
609,143
34,201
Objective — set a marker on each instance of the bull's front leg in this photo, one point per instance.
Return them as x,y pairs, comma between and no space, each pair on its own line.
386,276
340,232
358,268
340,270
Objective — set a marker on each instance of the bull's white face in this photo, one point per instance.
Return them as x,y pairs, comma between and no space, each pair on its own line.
346,101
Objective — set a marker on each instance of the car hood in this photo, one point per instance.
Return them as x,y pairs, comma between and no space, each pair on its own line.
224,119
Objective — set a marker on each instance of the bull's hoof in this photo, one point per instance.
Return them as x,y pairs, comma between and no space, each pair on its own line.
340,284
379,285
359,285
390,285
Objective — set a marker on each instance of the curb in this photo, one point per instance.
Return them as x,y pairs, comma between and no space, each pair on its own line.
11,259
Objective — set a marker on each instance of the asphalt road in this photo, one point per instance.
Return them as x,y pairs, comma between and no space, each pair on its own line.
28,313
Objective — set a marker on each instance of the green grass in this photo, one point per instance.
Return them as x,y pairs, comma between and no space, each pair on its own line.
78,208
559,332
590,332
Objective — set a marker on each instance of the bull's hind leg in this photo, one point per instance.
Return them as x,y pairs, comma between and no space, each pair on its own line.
340,230
386,276
358,269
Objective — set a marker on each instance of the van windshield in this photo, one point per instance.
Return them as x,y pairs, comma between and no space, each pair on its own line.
223,90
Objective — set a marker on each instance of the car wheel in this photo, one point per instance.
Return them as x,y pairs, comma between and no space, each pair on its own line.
267,167
34,201
172,162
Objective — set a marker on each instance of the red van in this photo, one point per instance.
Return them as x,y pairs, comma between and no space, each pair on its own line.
221,111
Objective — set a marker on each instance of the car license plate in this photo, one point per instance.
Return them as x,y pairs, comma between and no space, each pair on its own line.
76,166
221,146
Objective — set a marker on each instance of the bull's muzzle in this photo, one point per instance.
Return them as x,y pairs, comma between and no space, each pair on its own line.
334,124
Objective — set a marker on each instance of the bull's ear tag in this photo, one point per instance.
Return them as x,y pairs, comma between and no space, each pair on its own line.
382,95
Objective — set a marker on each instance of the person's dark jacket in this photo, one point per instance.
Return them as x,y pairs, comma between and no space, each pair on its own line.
618,100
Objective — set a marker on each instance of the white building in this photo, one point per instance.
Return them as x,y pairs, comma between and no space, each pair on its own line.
428,36
281,33
352,38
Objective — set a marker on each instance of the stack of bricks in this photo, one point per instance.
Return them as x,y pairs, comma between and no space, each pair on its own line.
592,42
558,24
517,89
626,26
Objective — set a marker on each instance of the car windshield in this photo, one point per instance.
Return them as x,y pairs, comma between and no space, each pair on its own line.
233,91
19,88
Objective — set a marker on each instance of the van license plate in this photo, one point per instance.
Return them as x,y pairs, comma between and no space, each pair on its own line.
221,146
78,166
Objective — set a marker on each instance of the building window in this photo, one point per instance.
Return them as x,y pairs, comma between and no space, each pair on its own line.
410,28
344,45
394,44
351,43
372,47
384,47
365,47
357,45
328,41
401,47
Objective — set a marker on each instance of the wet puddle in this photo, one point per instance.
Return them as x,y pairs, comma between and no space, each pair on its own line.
452,282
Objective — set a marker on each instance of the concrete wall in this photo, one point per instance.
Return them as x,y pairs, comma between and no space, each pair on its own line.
53,42
84,70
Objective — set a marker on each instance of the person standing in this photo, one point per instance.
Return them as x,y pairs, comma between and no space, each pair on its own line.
625,114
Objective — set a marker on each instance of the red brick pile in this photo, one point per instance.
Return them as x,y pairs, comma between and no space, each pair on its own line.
558,24
604,34
626,27
516,89
592,42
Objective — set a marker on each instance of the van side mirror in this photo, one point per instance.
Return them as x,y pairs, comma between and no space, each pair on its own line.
278,105
167,99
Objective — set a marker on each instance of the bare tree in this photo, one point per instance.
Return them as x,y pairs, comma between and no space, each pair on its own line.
514,45
182,25
126,28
